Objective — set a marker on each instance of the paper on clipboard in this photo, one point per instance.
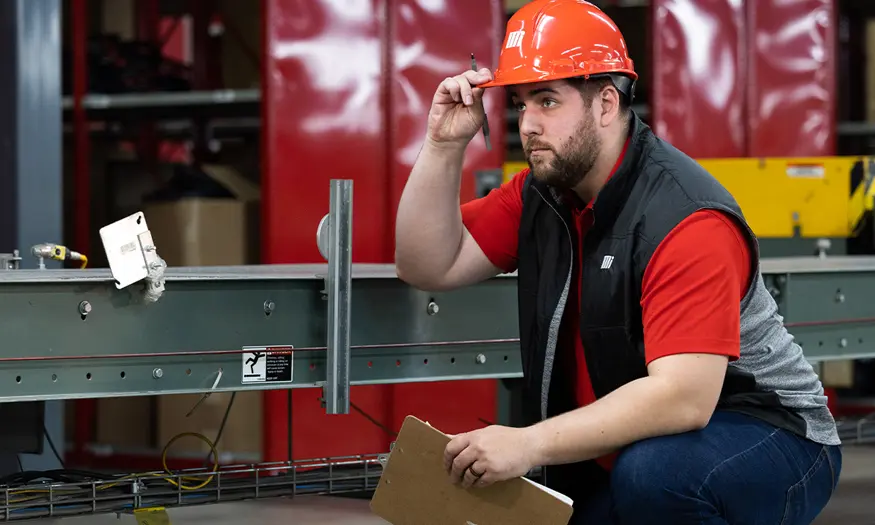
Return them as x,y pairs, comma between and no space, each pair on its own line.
414,489
558,495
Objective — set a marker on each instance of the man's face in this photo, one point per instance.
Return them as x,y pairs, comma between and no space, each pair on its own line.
558,131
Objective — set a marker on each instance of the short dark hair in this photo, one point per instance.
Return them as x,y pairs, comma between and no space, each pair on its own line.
590,87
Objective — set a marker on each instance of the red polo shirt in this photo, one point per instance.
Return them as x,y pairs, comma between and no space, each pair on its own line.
691,288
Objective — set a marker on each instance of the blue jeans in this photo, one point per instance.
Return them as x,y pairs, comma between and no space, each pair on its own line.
738,470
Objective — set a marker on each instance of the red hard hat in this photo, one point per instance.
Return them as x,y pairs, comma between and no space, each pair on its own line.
555,39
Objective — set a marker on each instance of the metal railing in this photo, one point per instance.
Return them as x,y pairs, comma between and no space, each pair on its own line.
857,431
126,493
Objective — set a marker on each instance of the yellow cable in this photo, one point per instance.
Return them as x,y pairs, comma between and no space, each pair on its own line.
62,253
214,469
84,259
212,450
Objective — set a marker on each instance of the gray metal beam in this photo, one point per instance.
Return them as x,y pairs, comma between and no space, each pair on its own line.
246,328
826,303
31,184
82,337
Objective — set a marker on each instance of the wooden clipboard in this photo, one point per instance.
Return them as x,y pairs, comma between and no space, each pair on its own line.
414,489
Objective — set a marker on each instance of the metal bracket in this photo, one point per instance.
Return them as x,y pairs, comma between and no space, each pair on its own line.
129,249
334,236
10,261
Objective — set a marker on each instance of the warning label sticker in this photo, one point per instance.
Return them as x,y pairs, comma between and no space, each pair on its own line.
267,364
808,171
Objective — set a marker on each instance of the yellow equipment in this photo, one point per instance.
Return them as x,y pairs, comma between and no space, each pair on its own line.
792,197
58,252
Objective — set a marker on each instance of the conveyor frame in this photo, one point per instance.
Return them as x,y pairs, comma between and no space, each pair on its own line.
397,333
74,334
208,318
826,303
85,335
335,324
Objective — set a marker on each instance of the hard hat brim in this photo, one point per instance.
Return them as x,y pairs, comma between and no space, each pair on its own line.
528,78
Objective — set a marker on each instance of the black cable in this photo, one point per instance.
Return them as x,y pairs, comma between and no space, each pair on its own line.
65,475
373,420
57,475
20,466
52,445
389,431
384,427
221,428
225,418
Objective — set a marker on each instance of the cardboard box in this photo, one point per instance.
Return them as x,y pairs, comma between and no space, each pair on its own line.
208,231
870,69
240,440
241,45
125,423
837,374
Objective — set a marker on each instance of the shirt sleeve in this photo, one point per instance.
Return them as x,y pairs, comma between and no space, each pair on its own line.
494,220
693,286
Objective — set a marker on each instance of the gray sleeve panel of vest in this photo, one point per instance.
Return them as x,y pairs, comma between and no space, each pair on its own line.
782,375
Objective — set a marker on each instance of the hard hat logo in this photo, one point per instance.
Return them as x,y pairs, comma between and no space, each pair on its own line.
515,39
557,39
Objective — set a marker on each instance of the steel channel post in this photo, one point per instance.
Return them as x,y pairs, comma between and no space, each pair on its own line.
339,284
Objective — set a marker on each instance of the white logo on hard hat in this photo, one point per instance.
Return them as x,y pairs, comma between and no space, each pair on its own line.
515,39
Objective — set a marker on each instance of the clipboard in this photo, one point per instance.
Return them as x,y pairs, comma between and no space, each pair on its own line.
414,489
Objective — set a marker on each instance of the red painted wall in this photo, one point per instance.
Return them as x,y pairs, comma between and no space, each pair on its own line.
793,59
698,86
428,46
346,91
323,118
738,78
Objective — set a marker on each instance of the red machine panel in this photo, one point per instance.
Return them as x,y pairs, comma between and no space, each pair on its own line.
323,117
425,49
698,92
346,91
791,98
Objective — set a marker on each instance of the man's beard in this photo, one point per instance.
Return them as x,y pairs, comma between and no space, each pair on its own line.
570,166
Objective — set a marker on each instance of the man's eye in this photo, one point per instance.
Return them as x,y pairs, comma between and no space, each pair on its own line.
520,107
548,102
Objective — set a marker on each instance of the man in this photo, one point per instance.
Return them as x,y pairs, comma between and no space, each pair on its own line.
660,383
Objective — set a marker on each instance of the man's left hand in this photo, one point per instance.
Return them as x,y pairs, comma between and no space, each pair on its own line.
495,453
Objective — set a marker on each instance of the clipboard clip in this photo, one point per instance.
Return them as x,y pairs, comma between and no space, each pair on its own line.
384,458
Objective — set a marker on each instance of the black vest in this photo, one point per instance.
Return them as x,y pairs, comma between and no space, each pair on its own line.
655,188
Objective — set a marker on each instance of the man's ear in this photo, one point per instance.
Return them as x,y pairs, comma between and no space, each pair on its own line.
610,99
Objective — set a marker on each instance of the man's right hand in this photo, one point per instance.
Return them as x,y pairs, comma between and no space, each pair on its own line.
433,249
457,112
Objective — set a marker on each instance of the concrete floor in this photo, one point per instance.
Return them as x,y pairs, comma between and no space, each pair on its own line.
853,504
304,510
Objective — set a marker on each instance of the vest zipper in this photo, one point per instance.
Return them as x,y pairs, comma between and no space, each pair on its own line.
553,331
